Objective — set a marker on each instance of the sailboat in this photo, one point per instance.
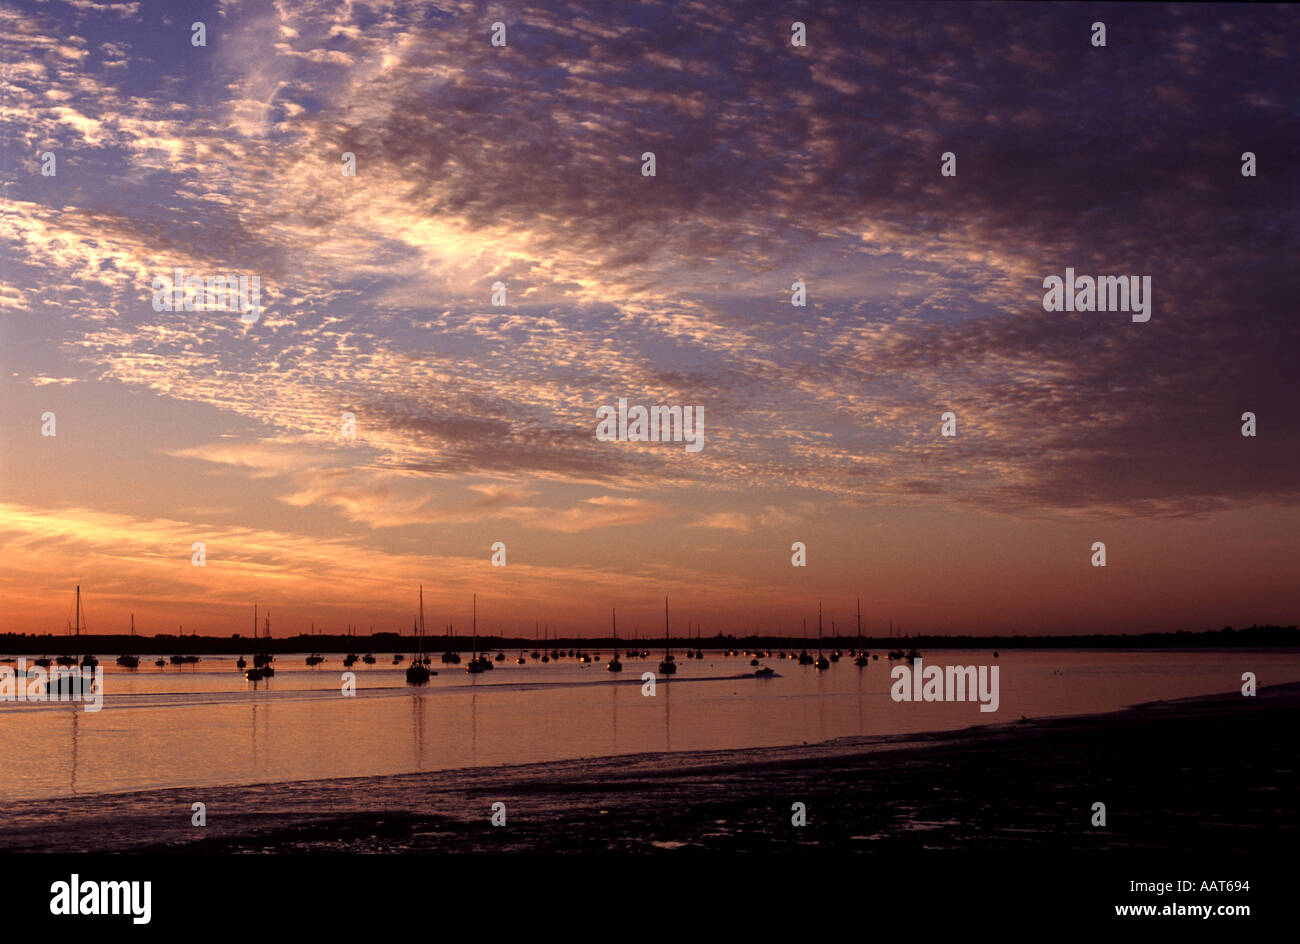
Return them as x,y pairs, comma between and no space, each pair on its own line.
449,657
262,667
264,659
477,663
862,659
417,673
822,662
895,653
128,660
667,666
179,658
535,653
315,658
68,660
254,674
87,661
614,665
369,657
351,658
804,658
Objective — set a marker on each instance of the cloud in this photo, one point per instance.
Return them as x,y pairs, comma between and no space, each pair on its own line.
477,164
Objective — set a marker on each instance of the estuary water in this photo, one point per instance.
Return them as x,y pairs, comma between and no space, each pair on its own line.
204,724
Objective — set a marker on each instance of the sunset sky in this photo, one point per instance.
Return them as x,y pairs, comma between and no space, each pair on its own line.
476,424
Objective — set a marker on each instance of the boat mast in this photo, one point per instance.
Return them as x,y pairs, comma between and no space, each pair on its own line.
665,627
78,609
474,625
819,629
420,635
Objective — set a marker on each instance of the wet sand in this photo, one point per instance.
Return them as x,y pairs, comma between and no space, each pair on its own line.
1204,775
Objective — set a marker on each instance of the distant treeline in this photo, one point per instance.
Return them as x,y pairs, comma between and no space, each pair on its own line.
38,644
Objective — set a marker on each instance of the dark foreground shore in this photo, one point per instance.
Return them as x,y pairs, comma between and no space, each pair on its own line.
1203,775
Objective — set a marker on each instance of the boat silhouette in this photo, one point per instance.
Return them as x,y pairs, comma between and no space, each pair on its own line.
477,663
417,673
614,665
129,660
668,666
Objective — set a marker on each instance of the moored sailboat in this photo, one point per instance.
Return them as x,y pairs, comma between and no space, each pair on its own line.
417,673
668,665
477,663
822,662
261,668
315,658
614,665
129,660
862,660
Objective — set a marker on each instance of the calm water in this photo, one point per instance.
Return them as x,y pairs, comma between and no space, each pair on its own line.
204,724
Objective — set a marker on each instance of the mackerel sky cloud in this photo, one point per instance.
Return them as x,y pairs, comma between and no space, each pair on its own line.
521,165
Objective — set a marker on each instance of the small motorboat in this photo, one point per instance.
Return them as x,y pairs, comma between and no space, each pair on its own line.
764,672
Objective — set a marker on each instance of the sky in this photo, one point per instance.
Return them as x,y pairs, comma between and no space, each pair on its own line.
521,164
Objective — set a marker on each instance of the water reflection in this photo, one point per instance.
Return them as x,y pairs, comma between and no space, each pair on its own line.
417,727
667,688
75,709
613,691
200,728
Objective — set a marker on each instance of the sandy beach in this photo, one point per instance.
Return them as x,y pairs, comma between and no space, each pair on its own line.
1215,773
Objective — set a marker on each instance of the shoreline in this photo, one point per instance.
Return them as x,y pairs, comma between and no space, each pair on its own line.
1218,762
